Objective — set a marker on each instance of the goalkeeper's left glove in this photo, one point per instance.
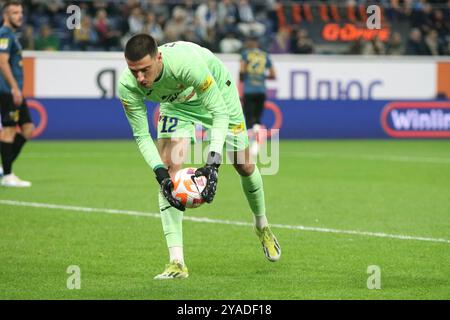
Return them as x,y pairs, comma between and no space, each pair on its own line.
211,171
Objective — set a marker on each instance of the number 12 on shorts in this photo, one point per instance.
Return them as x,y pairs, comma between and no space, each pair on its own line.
172,122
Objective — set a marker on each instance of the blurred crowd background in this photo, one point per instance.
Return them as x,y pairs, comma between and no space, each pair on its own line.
409,27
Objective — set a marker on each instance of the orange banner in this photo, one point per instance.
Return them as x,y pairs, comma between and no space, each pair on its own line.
351,32
443,79
28,69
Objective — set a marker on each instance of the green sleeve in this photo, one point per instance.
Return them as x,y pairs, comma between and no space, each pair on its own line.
136,112
199,76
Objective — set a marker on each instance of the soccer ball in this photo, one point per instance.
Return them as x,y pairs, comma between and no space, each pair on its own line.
188,188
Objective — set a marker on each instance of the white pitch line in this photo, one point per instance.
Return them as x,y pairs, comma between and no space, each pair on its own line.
367,157
217,221
71,155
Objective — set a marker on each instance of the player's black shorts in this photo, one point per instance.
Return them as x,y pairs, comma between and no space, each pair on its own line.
12,114
253,108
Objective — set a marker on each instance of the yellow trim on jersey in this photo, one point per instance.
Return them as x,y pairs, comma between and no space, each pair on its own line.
238,128
206,84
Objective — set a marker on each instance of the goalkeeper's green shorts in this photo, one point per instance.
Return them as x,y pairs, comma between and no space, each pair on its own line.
182,121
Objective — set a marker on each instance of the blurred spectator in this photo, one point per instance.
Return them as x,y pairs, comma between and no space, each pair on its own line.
421,16
153,28
85,9
200,32
190,35
100,5
86,37
263,18
27,39
446,49
135,20
54,6
189,8
247,24
227,16
356,47
440,24
271,6
374,47
393,10
207,16
230,44
176,25
395,46
55,12
432,43
46,40
160,9
302,43
108,37
281,43
129,6
211,40
415,44
407,11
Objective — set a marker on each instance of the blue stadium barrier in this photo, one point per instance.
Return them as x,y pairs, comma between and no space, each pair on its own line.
362,119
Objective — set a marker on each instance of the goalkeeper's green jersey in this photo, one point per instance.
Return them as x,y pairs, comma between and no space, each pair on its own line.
194,84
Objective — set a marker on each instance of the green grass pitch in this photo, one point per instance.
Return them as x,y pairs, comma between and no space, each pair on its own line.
398,188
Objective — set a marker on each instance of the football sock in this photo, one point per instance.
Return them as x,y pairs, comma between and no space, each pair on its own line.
260,222
176,253
171,219
7,154
18,143
254,191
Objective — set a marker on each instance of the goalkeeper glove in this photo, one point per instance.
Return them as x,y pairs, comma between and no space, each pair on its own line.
210,170
163,178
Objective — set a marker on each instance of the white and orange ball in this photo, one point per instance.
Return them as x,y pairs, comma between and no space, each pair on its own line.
188,188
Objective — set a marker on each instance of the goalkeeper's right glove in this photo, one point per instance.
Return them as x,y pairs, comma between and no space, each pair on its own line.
163,177
211,171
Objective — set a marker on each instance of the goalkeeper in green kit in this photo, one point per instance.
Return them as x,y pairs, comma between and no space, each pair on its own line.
192,86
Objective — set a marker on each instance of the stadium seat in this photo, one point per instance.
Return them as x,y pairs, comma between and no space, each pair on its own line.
296,14
307,12
323,11
362,13
335,12
351,14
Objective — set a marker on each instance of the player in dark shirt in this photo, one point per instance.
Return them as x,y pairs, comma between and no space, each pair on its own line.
256,67
14,110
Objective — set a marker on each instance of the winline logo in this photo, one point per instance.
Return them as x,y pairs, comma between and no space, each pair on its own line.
417,119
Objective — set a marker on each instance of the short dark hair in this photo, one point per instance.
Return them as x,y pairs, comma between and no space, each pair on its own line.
11,3
139,46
